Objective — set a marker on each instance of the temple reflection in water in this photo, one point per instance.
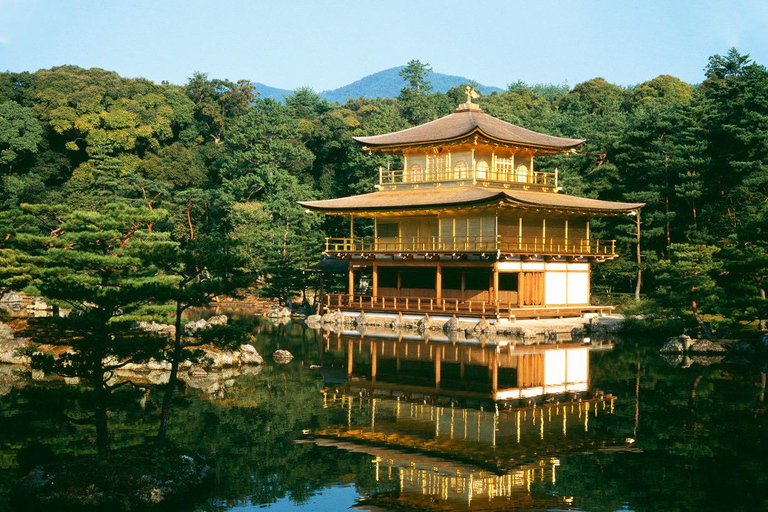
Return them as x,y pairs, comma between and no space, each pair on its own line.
480,423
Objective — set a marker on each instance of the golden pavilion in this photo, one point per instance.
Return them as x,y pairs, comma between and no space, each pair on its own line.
469,226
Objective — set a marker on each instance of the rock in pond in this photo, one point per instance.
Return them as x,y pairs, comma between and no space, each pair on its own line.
249,355
677,344
706,347
282,356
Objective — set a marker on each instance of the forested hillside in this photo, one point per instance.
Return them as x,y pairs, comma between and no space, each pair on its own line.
383,84
226,164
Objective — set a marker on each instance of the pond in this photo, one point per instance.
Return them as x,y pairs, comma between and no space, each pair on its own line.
390,422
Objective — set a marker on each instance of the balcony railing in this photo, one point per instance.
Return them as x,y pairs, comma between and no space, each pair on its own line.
498,173
473,244
458,307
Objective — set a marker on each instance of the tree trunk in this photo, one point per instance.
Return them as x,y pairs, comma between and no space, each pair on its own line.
319,300
101,410
695,387
165,413
704,328
639,262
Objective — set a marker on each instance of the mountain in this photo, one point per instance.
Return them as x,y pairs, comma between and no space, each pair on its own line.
275,93
384,84
388,83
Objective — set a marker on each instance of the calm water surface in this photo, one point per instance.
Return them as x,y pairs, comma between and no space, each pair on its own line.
374,423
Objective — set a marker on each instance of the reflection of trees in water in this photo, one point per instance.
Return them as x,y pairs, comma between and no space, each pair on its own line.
703,445
708,452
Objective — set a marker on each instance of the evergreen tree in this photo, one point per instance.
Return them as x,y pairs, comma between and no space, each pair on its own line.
414,96
95,264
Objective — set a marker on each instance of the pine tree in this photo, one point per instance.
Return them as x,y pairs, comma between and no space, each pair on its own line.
96,265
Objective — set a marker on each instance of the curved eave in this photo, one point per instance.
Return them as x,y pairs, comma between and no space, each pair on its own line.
400,208
368,146
382,202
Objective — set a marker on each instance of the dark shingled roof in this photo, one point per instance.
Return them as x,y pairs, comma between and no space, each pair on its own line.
394,200
464,123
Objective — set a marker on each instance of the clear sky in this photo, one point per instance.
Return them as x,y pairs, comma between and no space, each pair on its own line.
327,44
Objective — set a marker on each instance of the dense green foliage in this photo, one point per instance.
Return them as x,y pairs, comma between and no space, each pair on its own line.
227,164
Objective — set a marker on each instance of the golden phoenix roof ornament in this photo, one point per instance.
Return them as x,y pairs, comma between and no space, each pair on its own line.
471,93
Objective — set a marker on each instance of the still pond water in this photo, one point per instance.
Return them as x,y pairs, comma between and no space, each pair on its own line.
383,422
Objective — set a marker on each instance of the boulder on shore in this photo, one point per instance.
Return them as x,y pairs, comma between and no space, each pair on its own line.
426,323
452,325
39,305
11,302
153,326
483,326
6,333
313,321
361,319
279,313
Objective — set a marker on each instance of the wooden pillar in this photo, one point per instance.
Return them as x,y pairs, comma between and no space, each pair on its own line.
438,364
439,281
352,227
399,282
463,282
374,360
375,280
351,275
495,296
495,373
350,349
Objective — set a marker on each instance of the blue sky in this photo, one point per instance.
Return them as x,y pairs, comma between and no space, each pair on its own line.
326,44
